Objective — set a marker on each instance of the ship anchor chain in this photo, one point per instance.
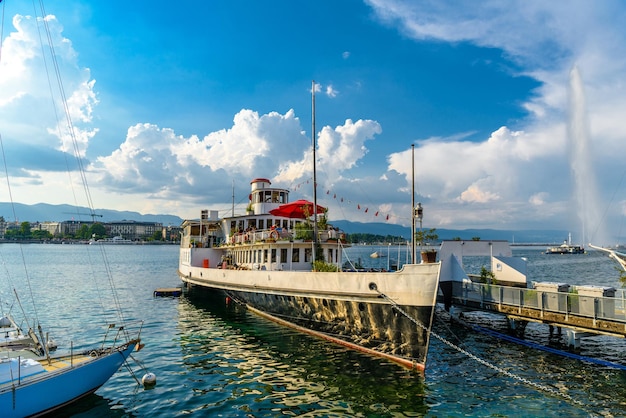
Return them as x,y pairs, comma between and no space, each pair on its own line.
486,363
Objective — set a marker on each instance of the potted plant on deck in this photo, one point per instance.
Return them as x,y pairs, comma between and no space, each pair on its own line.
425,237
304,231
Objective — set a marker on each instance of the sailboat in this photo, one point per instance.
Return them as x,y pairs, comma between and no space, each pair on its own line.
34,379
270,260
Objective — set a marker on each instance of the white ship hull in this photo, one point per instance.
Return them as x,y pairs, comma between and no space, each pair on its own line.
346,307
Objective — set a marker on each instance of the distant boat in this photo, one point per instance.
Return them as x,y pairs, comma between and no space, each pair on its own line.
566,248
377,254
117,240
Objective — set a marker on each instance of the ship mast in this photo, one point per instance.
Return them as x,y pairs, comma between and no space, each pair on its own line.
412,203
313,135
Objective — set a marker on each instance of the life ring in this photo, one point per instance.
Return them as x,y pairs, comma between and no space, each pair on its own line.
274,234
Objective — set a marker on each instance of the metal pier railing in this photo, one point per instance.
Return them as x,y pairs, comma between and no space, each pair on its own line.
584,308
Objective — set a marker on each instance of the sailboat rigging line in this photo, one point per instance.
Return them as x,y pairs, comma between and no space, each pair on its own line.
66,109
54,107
130,370
490,365
76,150
23,258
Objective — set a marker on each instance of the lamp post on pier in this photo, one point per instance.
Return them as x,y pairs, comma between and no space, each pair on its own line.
419,214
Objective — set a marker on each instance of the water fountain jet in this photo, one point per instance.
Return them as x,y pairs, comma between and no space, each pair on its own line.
580,158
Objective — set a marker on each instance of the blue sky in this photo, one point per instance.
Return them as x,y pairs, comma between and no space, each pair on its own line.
174,103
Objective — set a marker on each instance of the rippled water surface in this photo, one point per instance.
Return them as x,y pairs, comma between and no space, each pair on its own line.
215,359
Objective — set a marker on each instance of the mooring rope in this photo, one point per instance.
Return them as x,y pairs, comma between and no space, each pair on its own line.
478,359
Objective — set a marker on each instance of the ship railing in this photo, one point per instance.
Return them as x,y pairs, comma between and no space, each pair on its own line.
263,235
608,304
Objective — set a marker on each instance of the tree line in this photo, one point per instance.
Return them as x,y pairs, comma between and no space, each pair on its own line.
25,232
366,238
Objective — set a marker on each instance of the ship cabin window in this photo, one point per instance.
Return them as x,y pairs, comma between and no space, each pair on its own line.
252,223
330,255
261,224
233,227
283,255
267,196
264,256
285,224
295,255
273,255
308,255
276,197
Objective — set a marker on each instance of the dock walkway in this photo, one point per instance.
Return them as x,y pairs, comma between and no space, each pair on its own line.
582,310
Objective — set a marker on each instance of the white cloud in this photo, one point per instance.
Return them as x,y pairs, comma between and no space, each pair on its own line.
24,86
545,41
159,163
538,199
474,193
331,92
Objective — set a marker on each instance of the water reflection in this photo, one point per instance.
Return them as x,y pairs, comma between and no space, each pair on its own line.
242,364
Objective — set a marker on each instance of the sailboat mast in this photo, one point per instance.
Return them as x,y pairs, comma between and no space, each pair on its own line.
313,135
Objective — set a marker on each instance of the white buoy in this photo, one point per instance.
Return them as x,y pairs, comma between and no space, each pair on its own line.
148,380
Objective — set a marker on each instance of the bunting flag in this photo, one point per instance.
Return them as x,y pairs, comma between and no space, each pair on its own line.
342,200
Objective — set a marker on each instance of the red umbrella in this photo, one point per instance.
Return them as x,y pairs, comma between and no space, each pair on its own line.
300,209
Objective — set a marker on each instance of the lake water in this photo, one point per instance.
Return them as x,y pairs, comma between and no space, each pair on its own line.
213,359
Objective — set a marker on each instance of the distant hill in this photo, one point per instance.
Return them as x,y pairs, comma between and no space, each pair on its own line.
43,212
514,236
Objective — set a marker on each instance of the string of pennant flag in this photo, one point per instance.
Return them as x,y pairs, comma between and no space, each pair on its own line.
364,208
